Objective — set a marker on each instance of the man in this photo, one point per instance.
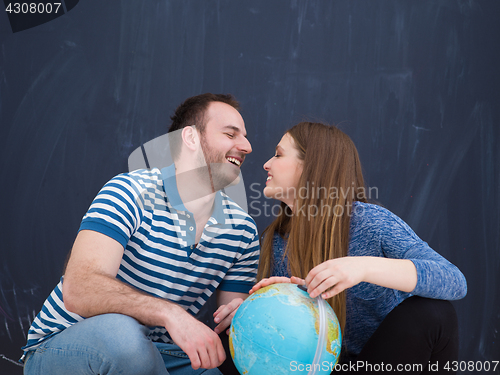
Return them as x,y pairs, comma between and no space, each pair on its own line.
152,248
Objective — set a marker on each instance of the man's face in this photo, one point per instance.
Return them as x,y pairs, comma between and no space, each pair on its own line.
224,143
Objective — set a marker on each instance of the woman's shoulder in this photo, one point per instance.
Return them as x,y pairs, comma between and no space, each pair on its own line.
378,221
371,212
364,226
373,219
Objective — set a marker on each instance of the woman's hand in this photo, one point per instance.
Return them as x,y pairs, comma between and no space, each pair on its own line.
276,280
335,275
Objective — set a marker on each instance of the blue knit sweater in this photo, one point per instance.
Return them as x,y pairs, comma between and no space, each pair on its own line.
375,231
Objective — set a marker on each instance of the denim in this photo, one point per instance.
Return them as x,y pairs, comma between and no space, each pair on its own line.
108,344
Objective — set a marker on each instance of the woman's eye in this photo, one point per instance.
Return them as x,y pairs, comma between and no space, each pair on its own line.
277,155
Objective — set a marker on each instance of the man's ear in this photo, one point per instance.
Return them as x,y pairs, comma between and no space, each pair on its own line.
190,137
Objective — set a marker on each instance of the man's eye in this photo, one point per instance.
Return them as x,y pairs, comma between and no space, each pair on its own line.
230,135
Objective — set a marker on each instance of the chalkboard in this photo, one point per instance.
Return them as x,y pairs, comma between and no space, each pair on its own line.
414,83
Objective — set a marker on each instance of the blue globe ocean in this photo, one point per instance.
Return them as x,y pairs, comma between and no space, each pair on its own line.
281,330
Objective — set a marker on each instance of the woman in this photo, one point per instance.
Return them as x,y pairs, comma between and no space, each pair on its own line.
386,285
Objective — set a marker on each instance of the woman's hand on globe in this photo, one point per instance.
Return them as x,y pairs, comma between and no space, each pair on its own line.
276,280
335,275
269,281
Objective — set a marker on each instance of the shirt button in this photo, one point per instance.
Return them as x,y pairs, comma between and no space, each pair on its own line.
191,228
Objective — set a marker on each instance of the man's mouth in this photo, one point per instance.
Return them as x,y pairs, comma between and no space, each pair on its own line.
235,161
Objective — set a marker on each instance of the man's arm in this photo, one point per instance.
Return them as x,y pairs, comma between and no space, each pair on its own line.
90,288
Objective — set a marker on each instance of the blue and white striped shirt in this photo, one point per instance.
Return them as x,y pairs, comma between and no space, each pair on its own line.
143,211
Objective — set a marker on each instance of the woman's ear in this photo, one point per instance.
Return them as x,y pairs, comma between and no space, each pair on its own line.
190,137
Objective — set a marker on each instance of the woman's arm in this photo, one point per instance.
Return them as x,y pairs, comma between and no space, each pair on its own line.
436,276
385,251
335,275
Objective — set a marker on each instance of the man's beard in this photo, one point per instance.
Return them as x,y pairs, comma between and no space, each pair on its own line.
221,173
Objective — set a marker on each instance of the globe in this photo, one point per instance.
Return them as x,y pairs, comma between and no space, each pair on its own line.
281,330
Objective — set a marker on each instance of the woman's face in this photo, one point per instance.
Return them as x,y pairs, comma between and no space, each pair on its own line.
283,172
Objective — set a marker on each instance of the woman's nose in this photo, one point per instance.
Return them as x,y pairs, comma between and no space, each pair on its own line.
267,164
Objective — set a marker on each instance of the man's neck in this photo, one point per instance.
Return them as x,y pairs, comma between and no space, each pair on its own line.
196,192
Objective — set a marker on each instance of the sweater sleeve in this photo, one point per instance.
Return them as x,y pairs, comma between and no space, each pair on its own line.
437,277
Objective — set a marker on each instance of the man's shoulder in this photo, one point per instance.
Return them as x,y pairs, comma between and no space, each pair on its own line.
143,176
140,179
235,214
143,187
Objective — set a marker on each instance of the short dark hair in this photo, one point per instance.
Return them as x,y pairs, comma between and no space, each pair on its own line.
192,112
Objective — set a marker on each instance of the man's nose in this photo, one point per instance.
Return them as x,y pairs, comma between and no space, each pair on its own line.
244,145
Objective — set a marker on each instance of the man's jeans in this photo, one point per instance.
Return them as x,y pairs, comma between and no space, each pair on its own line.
107,345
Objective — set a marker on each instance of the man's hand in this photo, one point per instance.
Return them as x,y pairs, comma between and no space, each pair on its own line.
199,342
224,315
90,288
228,303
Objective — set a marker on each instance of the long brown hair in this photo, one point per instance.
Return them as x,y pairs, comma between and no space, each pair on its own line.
318,227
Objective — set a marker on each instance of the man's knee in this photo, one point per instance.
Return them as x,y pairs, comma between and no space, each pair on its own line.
112,321
117,333
122,343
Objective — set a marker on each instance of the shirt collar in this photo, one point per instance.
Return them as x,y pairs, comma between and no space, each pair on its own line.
170,186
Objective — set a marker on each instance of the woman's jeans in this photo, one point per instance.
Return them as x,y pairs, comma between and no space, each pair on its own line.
107,345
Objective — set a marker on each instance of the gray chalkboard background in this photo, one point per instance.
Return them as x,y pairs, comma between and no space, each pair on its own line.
414,83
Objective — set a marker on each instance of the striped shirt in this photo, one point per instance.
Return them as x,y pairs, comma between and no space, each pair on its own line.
143,211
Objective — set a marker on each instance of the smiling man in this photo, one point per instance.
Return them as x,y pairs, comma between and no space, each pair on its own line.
152,248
